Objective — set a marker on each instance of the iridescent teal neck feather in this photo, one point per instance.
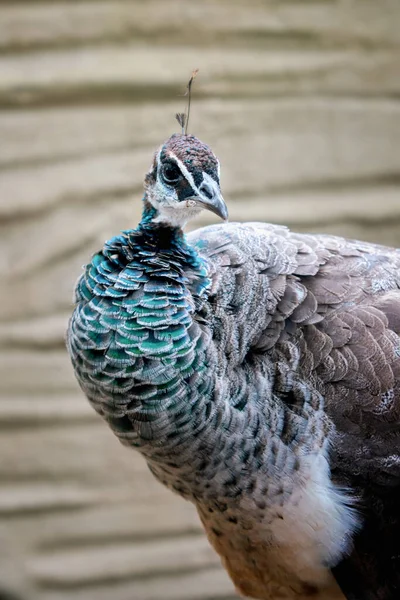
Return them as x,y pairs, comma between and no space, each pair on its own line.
136,338
148,214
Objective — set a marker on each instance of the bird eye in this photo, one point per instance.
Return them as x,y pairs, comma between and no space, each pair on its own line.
170,173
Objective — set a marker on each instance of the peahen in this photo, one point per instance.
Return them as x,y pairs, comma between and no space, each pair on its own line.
258,372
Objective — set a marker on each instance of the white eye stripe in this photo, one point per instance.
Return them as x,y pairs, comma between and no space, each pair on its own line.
188,176
158,158
219,170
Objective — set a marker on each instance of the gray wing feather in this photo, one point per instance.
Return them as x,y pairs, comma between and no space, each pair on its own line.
328,310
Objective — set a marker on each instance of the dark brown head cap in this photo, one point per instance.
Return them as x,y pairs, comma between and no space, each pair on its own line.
194,155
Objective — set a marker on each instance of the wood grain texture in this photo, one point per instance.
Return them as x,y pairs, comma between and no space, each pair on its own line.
300,100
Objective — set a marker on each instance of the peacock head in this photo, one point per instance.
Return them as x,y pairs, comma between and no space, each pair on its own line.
183,180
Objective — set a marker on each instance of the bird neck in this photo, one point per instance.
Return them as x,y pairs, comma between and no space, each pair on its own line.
149,213
146,286
168,245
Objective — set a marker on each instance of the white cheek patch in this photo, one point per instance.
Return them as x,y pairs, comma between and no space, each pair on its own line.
169,197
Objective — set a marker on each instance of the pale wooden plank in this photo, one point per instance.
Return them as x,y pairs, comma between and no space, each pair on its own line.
387,233
36,136
70,227
160,516
84,452
49,291
41,372
46,331
139,71
203,584
30,25
350,22
137,64
30,497
35,190
15,584
61,23
33,411
83,566
19,499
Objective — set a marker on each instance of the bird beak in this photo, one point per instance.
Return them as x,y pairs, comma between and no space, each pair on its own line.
215,204
211,198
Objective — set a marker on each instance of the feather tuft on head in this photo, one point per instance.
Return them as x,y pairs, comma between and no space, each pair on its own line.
183,118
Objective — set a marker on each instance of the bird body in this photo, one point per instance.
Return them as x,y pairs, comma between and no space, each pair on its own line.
258,372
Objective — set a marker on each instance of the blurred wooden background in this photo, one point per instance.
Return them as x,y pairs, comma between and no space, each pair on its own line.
300,100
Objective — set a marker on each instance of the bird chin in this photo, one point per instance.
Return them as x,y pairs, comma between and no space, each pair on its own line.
177,216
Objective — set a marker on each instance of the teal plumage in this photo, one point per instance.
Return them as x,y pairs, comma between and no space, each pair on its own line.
133,329
258,372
